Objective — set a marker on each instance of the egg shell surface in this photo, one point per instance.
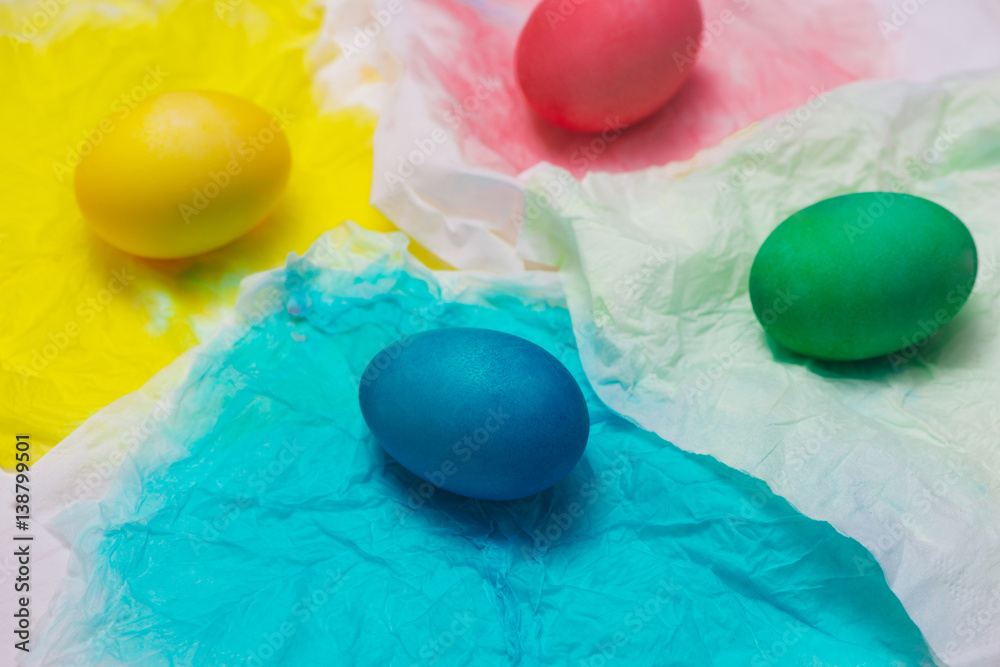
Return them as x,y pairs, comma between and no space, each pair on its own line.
184,173
477,412
862,275
606,64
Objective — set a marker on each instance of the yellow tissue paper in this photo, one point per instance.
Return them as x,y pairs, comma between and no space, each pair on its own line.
83,322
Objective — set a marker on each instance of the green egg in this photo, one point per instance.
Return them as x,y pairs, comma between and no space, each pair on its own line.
862,275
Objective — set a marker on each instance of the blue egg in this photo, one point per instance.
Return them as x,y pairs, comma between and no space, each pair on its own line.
476,412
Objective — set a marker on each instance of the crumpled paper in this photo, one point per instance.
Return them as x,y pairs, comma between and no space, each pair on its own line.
455,138
901,453
255,521
87,323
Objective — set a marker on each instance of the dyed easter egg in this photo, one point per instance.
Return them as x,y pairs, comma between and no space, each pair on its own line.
476,412
862,275
603,64
183,173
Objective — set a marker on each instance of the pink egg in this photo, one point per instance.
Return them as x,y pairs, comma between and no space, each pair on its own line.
589,65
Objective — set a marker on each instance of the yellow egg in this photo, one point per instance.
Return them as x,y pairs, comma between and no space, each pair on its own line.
183,173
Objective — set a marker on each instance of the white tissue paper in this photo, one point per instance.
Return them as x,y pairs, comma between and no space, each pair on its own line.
900,453
456,196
